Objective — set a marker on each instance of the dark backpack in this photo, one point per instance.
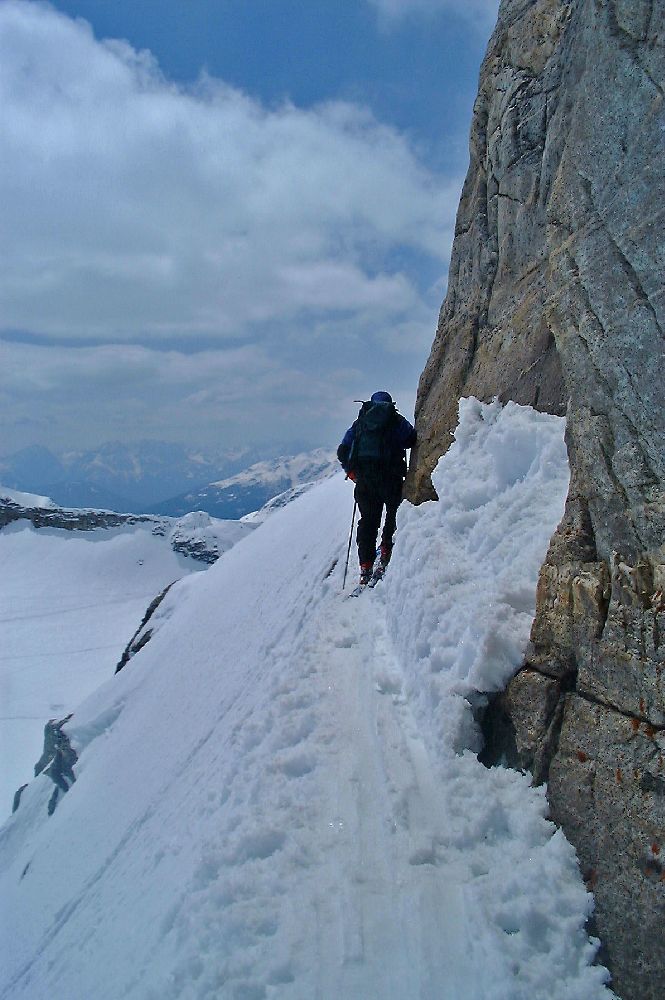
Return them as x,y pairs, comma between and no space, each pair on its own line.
372,452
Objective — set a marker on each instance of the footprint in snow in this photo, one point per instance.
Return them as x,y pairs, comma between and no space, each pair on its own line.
388,683
423,856
258,845
344,641
297,765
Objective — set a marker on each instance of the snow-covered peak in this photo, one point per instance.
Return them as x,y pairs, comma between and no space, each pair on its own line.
120,476
294,469
250,489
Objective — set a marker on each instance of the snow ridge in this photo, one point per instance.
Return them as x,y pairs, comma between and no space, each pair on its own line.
268,804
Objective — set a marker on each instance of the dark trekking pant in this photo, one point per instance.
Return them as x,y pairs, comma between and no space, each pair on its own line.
372,498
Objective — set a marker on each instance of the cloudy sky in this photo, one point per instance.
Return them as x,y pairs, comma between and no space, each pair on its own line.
224,219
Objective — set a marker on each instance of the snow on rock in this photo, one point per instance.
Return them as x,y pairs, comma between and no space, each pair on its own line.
24,499
265,804
463,591
204,537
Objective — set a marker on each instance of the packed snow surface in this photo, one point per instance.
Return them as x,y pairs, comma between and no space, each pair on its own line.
277,797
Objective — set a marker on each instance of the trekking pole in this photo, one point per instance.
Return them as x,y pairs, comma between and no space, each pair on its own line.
348,551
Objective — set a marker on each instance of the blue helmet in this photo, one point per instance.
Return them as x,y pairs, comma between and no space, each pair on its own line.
381,397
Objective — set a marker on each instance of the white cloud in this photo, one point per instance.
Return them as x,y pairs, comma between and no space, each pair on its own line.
132,206
480,12
138,213
214,397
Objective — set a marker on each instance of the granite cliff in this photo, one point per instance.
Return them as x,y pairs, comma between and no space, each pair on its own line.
556,299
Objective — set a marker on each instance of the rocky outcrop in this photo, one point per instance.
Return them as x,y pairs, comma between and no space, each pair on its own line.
493,338
69,520
190,536
556,299
143,634
57,761
58,756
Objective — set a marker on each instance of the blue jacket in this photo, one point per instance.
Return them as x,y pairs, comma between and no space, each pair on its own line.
403,436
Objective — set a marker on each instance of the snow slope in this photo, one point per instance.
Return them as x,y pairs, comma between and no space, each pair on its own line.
274,799
69,602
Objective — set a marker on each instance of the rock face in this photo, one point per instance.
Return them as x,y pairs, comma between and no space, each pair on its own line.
556,298
143,634
57,761
70,520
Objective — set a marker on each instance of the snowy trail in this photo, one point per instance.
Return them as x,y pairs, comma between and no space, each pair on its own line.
402,922
370,910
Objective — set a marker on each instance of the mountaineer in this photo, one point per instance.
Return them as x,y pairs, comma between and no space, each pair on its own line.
373,455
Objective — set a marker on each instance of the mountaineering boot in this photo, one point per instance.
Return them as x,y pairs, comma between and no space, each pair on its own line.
365,573
384,554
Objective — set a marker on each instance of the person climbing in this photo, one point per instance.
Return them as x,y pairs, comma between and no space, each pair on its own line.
373,455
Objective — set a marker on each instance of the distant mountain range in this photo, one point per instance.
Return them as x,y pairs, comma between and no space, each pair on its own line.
250,489
158,477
